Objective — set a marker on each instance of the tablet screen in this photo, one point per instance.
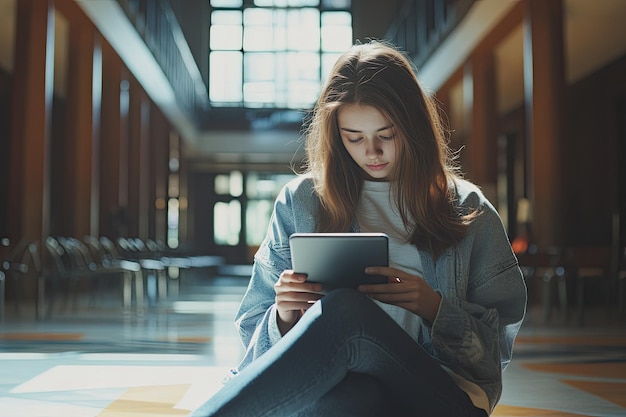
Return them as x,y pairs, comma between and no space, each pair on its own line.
338,260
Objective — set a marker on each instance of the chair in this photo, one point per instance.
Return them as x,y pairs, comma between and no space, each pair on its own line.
72,261
153,268
107,261
547,267
589,265
621,281
59,269
16,264
2,286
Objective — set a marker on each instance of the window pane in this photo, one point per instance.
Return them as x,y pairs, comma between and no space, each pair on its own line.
261,189
227,222
225,77
259,94
260,185
303,66
236,183
336,31
328,61
286,3
226,30
229,184
302,94
259,86
257,218
172,222
303,30
303,3
259,38
226,3
302,80
336,19
258,17
222,184
336,4
226,37
259,67
226,17
258,30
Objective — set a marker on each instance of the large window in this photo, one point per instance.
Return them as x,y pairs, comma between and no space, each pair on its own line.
274,53
245,202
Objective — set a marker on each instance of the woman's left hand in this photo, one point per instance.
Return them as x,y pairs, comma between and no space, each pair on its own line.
404,290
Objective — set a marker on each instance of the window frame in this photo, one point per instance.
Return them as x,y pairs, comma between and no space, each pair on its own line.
276,89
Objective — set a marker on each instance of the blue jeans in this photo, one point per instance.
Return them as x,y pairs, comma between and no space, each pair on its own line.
345,357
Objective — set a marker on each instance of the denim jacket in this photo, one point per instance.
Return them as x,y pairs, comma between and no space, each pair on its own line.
482,288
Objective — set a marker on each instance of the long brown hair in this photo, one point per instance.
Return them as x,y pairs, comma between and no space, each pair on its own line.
378,75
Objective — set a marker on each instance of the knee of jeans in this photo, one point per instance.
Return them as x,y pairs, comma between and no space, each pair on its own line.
345,299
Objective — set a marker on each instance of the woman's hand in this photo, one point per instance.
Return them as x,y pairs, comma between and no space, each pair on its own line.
404,290
293,297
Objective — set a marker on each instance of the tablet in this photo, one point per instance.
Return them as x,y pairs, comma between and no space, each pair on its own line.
338,260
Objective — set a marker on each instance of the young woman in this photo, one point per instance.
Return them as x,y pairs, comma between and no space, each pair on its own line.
434,340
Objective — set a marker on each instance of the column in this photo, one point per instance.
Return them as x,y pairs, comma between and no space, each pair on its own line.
481,112
544,86
81,143
33,83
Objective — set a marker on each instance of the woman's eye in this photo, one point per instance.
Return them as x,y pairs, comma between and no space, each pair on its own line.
386,137
354,140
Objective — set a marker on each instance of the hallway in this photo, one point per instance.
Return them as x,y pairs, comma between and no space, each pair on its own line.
99,361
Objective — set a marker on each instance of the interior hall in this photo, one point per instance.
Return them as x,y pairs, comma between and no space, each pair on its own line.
143,143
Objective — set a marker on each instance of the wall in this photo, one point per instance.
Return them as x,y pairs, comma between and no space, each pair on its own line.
591,157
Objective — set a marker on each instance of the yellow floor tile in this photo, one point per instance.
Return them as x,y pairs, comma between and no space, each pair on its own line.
154,401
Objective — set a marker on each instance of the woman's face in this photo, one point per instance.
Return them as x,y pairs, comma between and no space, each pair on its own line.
369,139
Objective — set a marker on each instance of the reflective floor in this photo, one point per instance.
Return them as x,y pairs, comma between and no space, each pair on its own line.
94,359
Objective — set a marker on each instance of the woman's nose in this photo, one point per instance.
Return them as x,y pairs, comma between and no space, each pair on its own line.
373,149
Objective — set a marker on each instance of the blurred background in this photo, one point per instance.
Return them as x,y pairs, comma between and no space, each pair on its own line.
143,142
168,127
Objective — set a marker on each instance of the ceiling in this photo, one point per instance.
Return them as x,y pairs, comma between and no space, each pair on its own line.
595,35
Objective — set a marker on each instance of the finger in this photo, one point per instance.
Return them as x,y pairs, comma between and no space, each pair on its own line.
296,301
298,297
291,281
294,306
393,274
290,276
394,279
382,270
394,298
295,287
393,287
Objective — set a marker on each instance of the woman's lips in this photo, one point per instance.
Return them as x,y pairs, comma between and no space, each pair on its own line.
377,167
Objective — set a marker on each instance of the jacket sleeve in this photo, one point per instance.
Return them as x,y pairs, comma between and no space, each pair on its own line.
473,333
256,318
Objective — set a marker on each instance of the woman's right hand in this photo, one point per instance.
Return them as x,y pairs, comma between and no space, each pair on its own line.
293,297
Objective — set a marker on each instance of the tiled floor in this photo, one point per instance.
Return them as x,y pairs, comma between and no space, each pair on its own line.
98,361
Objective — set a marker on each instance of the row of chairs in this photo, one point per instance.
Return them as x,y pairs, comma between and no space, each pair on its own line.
572,272
73,260
15,262
144,269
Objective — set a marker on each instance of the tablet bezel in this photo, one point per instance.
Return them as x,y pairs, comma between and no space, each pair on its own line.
314,254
